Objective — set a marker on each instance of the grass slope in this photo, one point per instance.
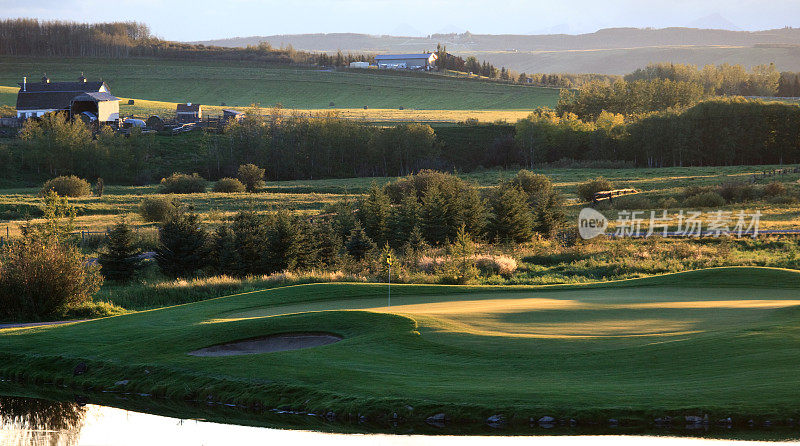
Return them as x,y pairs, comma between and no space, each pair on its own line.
243,83
722,341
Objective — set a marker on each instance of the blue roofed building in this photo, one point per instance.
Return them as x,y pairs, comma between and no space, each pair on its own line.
422,61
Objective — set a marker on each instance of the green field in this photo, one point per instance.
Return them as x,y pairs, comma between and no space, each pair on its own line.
242,83
719,341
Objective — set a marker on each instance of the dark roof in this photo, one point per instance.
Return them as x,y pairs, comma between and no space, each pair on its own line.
402,56
63,86
188,108
55,95
95,96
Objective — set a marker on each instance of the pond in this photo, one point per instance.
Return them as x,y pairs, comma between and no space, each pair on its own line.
29,418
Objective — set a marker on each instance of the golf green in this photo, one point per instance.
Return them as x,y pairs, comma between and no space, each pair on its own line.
722,341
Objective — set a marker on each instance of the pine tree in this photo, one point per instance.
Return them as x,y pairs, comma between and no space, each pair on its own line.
461,264
182,250
306,253
374,214
358,243
328,245
225,255
251,243
434,215
511,218
285,242
414,247
404,218
120,259
549,215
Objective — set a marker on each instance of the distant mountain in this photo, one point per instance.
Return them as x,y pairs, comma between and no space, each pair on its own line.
612,50
713,21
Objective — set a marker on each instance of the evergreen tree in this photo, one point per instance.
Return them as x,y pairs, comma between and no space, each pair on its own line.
511,218
404,218
251,241
285,242
225,255
414,247
461,263
120,259
306,253
374,214
344,219
549,215
434,214
358,243
182,250
327,244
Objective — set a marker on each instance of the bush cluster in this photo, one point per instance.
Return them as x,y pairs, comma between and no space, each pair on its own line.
228,186
157,209
180,183
587,189
67,186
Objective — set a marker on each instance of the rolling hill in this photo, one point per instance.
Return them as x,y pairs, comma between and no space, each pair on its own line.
245,83
610,51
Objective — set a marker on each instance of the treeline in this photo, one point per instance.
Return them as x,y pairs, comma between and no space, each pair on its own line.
724,79
31,37
629,98
731,131
715,132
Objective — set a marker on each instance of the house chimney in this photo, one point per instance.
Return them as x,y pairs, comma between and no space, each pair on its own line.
45,79
82,78
24,83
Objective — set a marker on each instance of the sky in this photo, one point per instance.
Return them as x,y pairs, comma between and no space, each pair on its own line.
191,20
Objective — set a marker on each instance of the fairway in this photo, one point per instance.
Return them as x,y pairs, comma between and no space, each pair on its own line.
722,341
244,83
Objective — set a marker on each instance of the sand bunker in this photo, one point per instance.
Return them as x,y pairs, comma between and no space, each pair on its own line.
268,344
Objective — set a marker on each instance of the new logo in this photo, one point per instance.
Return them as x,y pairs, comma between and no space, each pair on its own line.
591,223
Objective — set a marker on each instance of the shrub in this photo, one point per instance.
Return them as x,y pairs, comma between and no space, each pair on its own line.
157,209
704,200
737,192
180,183
783,199
668,203
632,202
690,191
67,186
491,265
251,176
587,189
774,189
537,187
229,186
430,264
41,277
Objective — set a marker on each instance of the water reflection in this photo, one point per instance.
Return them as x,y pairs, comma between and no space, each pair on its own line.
32,421
29,421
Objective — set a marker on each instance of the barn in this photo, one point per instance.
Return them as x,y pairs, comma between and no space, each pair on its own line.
91,100
422,61
187,113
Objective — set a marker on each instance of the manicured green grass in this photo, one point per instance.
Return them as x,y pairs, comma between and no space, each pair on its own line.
245,83
720,341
